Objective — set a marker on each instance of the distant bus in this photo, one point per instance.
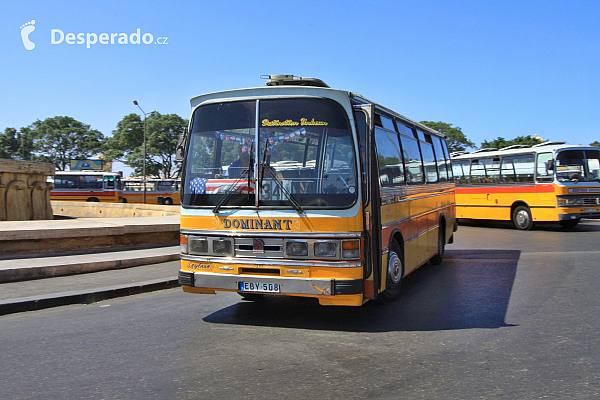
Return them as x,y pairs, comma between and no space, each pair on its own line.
158,191
547,182
86,186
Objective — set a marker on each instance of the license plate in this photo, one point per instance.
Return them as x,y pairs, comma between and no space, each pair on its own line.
259,287
589,209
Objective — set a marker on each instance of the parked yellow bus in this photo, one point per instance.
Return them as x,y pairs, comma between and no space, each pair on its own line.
302,190
158,191
549,182
86,186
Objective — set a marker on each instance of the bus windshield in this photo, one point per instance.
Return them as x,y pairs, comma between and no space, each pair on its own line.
578,166
304,156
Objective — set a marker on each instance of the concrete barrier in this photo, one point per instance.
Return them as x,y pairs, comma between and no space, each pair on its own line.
24,192
84,209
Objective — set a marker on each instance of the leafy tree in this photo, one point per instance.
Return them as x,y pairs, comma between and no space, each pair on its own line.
126,139
9,144
26,147
500,142
162,132
457,141
62,139
595,144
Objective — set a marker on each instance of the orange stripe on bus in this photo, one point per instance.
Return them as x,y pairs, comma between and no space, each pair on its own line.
505,189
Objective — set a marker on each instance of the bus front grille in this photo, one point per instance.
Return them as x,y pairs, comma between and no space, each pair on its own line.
270,248
591,201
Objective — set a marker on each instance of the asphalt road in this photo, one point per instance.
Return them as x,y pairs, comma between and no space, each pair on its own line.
508,315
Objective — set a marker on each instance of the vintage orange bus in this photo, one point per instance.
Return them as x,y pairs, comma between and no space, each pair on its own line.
302,190
86,186
549,182
158,191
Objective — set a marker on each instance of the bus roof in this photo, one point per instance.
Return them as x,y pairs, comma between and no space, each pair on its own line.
345,98
547,147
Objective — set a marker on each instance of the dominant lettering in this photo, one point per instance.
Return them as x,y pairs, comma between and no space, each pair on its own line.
257,224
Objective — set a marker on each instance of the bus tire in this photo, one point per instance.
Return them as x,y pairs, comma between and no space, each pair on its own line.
394,273
251,296
168,201
93,200
437,259
569,223
522,219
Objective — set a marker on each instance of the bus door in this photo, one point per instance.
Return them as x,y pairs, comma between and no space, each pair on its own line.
363,115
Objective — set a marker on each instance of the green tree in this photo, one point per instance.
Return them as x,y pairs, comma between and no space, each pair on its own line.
26,147
457,141
500,142
126,139
162,132
9,144
595,144
61,139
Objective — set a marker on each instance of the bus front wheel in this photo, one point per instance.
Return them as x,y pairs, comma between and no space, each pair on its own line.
522,219
394,273
93,200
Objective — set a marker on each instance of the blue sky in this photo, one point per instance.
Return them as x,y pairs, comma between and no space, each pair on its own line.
492,68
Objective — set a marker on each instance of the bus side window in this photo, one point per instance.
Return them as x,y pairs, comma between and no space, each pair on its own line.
389,158
431,172
523,166
543,171
413,166
448,161
440,159
507,170
461,172
485,171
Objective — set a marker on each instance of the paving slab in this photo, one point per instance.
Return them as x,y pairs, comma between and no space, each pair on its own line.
25,268
86,288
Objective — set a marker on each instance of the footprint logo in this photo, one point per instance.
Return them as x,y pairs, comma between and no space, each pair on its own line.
26,29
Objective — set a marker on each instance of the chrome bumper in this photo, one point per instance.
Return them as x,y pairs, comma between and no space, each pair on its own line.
287,285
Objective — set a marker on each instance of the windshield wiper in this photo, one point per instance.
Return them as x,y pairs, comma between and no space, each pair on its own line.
287,194
230,191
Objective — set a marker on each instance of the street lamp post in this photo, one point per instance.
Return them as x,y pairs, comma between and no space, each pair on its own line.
144,160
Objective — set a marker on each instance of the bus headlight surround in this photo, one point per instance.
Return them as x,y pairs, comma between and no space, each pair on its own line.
325,249
197,245
222,246
296,249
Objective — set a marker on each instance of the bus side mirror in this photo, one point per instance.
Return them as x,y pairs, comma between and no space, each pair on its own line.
550,165
180,149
